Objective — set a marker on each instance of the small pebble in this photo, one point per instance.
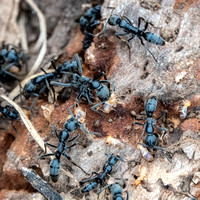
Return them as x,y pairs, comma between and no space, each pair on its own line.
196,178
110,120
97,123
133,113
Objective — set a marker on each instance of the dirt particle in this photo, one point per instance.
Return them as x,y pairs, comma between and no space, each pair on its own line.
90,153
97,123
110,120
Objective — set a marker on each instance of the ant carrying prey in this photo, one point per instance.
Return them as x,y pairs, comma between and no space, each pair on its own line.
150,140
84,87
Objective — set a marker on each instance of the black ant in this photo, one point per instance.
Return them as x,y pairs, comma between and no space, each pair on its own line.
40,85
61,148
84,86
10,113
88,38
116,189
125,24
150,140
90,16
69,127
89,23
100,178
9,57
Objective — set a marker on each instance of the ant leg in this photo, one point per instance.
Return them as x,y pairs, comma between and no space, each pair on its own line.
101,190
79,96
70,111
139,21
46,155
162,115
20,93
64,72
144,145
112,8
144,129
47,83
85,131
53,65
11,74
88,99
102,74
104,29
146,48
8,66
61,84
106,151
79,64
74,138
51,145
162,129
13,126
129,48
89,179
97,105
127,20
146,26
34,101
50,88
104,81
159,148
45,146
64,154
68,147
113,87
138,123
121,34
127,195
145,103
55,131
131,37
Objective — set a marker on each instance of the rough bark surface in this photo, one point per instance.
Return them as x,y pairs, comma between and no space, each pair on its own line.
178,22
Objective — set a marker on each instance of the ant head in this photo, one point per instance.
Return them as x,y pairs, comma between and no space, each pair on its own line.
97,7
4,52
114,20
113,159
12,56
103,93
150,106
153,97
94,84
29,89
